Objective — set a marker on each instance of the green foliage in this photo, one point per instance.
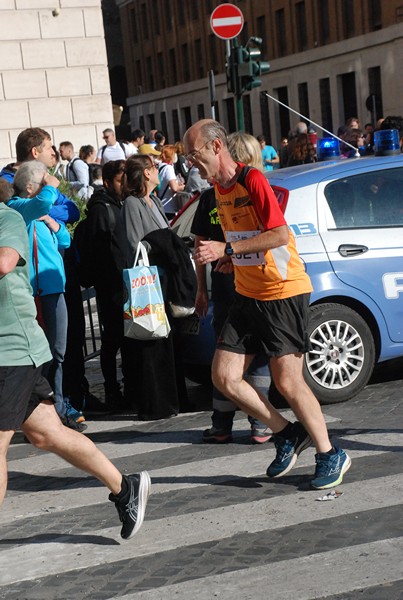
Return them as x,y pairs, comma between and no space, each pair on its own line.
66,188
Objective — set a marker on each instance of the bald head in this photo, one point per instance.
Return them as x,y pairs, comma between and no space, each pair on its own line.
203,131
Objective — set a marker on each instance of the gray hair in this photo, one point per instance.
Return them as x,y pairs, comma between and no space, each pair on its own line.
301,127
32,172
213,130
209,130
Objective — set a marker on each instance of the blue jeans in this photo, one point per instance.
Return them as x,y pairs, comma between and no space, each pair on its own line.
54,313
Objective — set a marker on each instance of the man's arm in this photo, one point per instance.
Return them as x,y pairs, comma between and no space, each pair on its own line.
275,159
8,260
209,251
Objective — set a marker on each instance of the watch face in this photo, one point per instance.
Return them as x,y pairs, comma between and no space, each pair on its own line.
229,251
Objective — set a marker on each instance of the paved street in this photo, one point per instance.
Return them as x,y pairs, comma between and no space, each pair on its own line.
216,527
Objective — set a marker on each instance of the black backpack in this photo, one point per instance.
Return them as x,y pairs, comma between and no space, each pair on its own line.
83,244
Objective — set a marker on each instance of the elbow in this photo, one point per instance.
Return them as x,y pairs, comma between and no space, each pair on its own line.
6,266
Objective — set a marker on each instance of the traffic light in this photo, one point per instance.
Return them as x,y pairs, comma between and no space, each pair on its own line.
244,68
251,68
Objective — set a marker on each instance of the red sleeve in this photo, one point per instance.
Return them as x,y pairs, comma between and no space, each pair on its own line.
264,200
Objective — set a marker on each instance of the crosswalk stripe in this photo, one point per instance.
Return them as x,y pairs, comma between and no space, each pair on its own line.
161,535
176,477
345,572
141,444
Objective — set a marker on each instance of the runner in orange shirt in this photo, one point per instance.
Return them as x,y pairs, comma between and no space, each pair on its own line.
270,311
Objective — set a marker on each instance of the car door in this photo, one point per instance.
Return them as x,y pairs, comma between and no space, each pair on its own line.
361,224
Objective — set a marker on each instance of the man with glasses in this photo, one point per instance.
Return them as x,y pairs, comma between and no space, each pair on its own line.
270,311
113,149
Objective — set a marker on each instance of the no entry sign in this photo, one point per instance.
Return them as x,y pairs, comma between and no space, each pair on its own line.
226,21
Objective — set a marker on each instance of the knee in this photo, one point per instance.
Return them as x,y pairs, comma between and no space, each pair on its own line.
289,387
283,387
223,379
42,441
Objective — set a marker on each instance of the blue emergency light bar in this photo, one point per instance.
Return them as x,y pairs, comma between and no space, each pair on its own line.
328,149
386,142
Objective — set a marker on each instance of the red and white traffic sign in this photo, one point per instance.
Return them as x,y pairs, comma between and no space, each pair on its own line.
226,21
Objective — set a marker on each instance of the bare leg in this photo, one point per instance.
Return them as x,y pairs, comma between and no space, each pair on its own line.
228,370
45,430
288,376
5,439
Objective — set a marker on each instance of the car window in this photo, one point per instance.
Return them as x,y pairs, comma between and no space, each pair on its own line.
372,199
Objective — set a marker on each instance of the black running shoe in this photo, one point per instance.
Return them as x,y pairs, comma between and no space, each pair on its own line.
214,435
132,507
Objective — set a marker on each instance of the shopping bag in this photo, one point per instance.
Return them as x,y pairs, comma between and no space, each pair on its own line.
144,310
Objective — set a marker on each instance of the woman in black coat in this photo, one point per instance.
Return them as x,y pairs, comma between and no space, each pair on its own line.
108,259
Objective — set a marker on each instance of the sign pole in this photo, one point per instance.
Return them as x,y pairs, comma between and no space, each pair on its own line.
212,92
227,22
238,93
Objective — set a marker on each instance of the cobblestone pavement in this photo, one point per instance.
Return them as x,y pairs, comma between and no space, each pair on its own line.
216,527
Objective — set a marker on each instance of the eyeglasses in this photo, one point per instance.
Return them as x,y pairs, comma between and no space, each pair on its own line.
192,156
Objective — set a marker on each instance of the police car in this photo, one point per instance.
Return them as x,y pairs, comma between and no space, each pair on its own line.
347,217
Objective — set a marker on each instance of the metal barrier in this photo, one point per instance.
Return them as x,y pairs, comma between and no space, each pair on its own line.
93,325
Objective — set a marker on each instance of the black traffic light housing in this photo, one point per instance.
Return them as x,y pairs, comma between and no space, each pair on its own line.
244,67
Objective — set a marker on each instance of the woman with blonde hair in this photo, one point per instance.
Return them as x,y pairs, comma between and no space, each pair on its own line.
169,184
245,149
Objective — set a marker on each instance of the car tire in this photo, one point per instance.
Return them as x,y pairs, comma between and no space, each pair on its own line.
342,356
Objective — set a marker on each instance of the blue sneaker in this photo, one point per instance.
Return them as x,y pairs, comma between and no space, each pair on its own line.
288,451
330,469
73,414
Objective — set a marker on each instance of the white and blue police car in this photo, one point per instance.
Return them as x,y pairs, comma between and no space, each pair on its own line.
347,217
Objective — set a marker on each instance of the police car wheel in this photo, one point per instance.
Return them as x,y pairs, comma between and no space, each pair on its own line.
342,356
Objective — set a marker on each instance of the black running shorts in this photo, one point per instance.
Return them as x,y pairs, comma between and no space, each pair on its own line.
21,390
276,327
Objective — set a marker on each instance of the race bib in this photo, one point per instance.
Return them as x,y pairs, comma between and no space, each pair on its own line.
245,260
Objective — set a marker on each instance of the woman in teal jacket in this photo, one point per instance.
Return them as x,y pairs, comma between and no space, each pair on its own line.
36,192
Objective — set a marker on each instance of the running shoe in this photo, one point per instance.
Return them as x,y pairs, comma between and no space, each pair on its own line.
132,507
259,436
216,436
288,450
330,469
73,414
72,424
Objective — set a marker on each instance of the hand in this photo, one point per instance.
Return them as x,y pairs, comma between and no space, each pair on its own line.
209,251
49,179
225,266
50,222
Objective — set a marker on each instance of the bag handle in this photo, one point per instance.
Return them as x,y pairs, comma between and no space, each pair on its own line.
36,262
144,256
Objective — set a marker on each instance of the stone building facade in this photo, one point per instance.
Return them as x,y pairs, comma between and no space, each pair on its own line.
53,72
327,57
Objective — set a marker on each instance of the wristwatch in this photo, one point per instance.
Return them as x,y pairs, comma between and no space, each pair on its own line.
229,251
